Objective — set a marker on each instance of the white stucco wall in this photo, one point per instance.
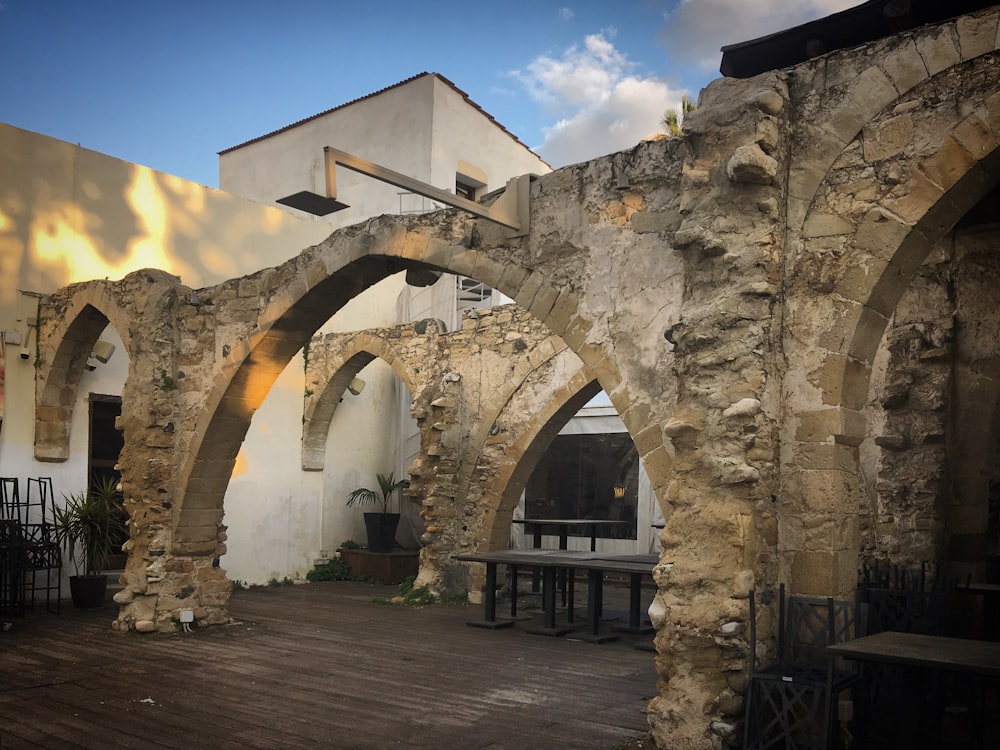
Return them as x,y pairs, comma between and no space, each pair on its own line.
69,214
421,128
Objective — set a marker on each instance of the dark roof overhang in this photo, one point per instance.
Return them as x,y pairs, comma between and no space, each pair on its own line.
861,24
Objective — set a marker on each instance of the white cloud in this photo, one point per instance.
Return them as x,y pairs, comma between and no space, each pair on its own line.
566,14
697,29
602,104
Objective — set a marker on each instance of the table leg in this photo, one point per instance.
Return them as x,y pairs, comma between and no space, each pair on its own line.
536,576
568,593
549,606
595,601
634,607
512,574
490,603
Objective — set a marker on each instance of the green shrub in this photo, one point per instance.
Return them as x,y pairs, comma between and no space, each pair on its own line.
416,596
334,570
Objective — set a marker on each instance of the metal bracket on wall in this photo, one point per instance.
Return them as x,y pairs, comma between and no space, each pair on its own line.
511,209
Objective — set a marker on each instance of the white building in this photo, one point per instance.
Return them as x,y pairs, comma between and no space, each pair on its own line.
55,198
55,202
429,130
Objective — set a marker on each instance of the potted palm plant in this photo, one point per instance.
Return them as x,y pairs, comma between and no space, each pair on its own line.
88,525
380,525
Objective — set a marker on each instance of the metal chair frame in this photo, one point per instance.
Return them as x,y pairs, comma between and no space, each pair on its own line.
792,704
43,548
41,552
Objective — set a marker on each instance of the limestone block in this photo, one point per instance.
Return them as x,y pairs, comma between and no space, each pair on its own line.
977,35
145,626
949,164
700,239
905,67
892,442
826,424
749,164
826,490
887,139
881,233
937,48
976,136
825,225
922,193
746,407
651,222
767,136
739,474
812,573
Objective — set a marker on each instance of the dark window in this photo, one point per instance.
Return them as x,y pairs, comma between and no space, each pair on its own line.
105,440
463,190
587,476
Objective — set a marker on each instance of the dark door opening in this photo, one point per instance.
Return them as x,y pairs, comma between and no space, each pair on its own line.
106,443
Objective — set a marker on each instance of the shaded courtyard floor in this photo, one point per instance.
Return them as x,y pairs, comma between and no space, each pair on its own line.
317,665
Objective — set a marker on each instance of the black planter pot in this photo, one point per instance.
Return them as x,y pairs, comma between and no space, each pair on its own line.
381,529
88,591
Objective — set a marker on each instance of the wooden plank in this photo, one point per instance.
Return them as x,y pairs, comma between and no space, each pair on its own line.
312,666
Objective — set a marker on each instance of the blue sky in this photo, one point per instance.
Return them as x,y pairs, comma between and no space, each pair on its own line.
169,84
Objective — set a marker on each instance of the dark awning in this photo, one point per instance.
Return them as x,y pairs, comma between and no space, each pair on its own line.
864,23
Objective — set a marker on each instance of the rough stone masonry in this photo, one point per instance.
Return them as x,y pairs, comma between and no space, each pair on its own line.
779,304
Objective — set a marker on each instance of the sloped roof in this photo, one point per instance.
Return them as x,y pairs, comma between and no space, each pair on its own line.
411,79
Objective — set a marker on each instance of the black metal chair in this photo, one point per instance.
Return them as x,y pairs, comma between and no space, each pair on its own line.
792,704
41,553
12,564
10,499
44,554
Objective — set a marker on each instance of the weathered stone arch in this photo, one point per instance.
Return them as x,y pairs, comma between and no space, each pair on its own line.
859,250
525,441
526,450
551,351
353,355
855,88
299,297
69,336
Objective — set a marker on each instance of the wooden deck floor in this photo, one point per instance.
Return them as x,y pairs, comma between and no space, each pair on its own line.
317,666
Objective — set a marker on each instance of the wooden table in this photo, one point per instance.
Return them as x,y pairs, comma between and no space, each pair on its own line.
562,527
924,654
551,561
932,652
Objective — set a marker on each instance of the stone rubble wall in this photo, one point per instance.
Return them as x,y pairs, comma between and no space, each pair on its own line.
461,382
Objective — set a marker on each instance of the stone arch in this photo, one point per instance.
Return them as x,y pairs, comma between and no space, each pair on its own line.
549,350
69,327
501,496
510,468
889,242
299,297
854,267
354,355
857,88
